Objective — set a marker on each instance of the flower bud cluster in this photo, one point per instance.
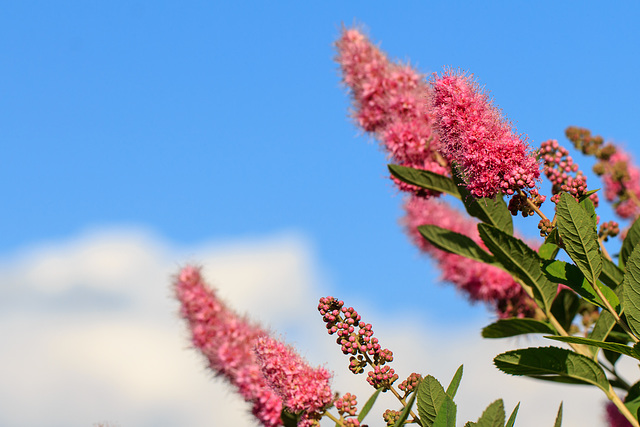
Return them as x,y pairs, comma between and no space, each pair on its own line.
608,229
520,203
563,173
620,177
410,384
347,404
390,416
356,339
545,227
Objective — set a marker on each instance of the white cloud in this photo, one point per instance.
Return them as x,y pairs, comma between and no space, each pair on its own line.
90,333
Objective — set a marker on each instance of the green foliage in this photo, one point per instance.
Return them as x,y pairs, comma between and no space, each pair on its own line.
611,275
630,242
425,179
553,364
548,250
571,276
558,422
576,227
289,419
615,347
631,290
430,396
521,261
493,416
405,412
456,243
511,327
455,383
490,211
368,405
565,307
446,414
512,417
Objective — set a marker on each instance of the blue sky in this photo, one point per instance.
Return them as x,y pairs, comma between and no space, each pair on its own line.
203,122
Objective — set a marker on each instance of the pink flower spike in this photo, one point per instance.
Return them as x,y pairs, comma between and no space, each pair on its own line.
227,341
301,387
474,135
391,101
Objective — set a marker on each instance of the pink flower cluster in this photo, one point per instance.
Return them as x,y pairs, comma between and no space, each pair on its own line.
622,184
300,387
475,136
479,281
392,101
264,371
614,417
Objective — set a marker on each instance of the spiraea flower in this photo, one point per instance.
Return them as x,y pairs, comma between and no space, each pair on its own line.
301,387
478,281
475,136
227,340
391,101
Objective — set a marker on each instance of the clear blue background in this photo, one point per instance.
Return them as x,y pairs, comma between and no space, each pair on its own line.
222,120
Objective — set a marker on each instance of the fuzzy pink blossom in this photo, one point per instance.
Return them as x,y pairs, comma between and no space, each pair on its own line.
390,101
227,340
479,140
477,280
614,417
622,184
301,387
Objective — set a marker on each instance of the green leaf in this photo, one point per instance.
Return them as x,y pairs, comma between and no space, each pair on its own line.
579,235
587,194
430,396
554,364
587,205
611,275
553,237
491,211
455,383
631,291
516,326
633,405
565,307
425,179
521,261
630,241
548,250
558,422
455,243
405,412
571,276
512,418
446,414
618,348
289,419
493,416
603,326
367,406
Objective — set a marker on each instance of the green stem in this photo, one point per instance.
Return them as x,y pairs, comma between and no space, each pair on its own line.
623,409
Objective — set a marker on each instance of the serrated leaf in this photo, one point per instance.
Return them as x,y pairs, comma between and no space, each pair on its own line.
456,243
512,417
572,276
446,414
587,194
603,326
493,416
405,412
514,326
553,237
578,233
367,406
430,396
455,383
553,364
548,250
587,205
558,422
425,179
491,211
631,291
520,260
618,348
565,307
611,275
630,242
